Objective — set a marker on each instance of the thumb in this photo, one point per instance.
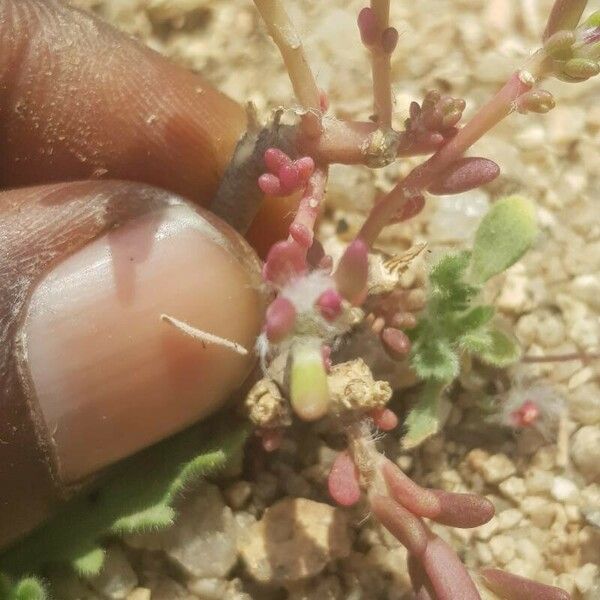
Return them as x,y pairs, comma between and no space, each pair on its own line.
89,374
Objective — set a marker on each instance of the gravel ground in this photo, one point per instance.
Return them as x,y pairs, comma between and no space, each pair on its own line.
272,534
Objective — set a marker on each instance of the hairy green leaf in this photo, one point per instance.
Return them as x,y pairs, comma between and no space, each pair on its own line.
434,358
504,235
475,318
28,588
423,420
137,495
502,350
90,562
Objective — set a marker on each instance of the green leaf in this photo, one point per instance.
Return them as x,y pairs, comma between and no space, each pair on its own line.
137,495
475,318
90,562
434,358
502,351
449,270
423,420
504,235
27,588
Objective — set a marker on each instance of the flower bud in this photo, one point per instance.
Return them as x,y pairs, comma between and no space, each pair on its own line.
352,271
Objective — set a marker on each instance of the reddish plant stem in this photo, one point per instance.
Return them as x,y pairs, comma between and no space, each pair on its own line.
500,106
347,143
308,209
381,68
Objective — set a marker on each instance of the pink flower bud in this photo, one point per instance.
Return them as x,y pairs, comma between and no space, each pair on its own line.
330,304
352,272
280,319
465,174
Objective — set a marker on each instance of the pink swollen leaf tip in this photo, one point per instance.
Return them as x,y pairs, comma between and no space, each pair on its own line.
302,235
269,184
343,481
285,176
330,304
384,419
285,261
367,26
389,40
280,319
465,174
395,342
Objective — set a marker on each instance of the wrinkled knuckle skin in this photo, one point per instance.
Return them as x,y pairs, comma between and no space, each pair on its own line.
39,227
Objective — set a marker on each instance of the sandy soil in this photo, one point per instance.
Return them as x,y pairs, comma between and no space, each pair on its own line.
546,491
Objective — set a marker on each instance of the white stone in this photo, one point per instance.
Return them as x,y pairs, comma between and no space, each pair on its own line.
295,539
563,489
586,577
497,468
513,488
509,518
116,579
140,594
585,451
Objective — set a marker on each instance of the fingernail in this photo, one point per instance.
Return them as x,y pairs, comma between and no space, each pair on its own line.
111,378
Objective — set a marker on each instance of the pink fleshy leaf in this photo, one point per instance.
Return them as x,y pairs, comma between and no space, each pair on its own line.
280,319
389,40
448,576
403,525
269,184
305,167
289,178
284,261
367,26
513,587
414,205
275,159
395,342
465,174
352,272
302,234
455,510
384,418
419,579
343,481
330,304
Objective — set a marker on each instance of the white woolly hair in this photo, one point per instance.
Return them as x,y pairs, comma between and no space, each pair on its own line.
304,291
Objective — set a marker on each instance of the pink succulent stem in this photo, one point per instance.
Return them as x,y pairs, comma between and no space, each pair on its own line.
343,481
426,174
308,209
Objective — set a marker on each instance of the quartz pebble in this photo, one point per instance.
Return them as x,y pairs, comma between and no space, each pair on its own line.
585,451
497,468
116,579
295,539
